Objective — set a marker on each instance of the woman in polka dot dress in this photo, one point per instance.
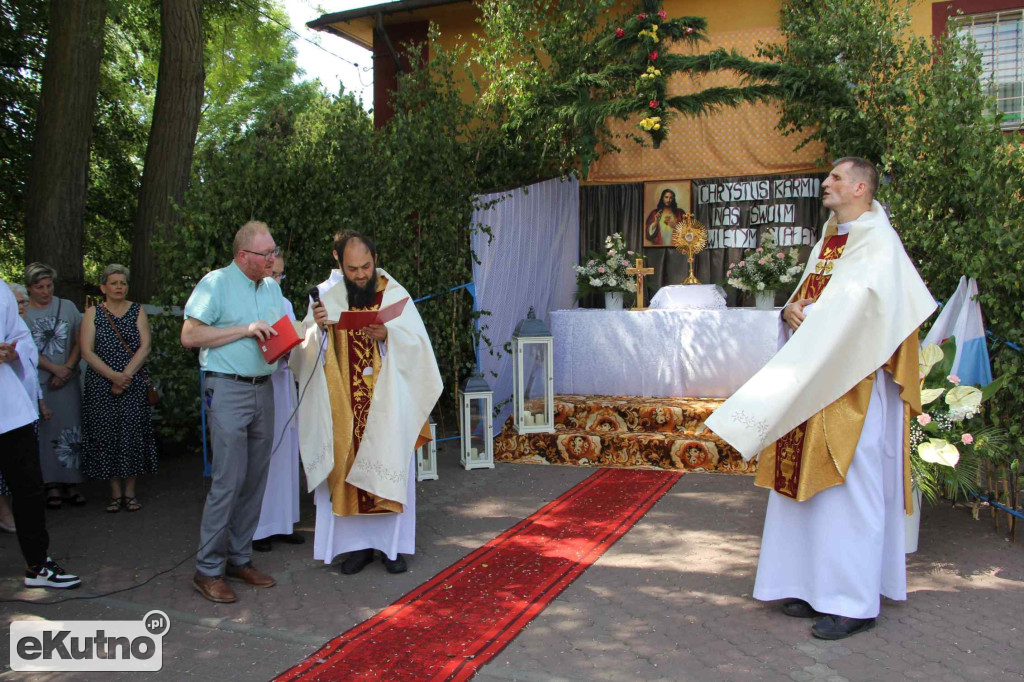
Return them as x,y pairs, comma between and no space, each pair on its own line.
118,432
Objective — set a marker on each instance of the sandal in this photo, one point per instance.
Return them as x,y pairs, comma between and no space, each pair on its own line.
114,505
53,498
131,504
76,498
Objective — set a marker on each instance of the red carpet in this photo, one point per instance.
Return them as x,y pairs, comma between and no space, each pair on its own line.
449,627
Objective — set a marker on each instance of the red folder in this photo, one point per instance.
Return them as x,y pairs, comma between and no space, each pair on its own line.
357,319
276,346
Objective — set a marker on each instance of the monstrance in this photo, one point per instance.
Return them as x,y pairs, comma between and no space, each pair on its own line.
689,237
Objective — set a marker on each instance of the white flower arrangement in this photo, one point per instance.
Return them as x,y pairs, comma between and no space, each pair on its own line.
606,273
765,268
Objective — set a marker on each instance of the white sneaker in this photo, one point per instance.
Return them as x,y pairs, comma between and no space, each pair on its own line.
51,575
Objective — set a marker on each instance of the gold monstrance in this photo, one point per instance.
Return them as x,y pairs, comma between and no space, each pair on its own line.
689,237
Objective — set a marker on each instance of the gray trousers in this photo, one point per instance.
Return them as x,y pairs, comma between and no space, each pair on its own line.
241,418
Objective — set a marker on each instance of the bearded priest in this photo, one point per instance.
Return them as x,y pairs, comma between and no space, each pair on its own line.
364,412
830,416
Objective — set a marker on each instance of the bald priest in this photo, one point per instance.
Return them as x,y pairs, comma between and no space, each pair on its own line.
364,413
829,415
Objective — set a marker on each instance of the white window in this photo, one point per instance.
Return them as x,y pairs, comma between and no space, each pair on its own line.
999,37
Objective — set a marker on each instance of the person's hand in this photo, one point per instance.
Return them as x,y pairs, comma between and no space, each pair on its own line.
116,390
319,314
45,413
793,314
8,352
56,382
261,331
63,373
377,332
121,381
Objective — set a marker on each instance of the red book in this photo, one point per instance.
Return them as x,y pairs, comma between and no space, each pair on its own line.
357,319
276,346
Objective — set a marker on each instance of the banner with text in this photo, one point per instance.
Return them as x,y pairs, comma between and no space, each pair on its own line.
736,210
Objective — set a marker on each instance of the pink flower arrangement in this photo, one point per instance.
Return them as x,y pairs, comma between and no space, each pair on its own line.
662,13
924,419
954,379
967,439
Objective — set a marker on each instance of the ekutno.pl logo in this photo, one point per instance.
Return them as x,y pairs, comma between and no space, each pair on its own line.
89,645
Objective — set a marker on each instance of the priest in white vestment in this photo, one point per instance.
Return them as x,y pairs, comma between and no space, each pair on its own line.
280,510
364,413
829,417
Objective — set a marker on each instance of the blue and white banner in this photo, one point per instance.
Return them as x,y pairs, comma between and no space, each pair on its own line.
961,317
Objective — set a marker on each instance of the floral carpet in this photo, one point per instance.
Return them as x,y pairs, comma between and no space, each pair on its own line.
625,431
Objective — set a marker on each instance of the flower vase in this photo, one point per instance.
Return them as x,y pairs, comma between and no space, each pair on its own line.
913,521
764,300
613,300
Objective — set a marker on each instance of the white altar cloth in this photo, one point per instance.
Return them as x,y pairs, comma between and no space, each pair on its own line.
689,296
661,353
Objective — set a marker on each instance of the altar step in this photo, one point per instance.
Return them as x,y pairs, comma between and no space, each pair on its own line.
623,431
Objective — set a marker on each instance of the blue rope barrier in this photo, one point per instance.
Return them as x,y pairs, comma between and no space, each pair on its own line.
467,285
1011,512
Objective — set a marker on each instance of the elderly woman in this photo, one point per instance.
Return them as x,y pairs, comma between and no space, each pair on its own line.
54,324
118,440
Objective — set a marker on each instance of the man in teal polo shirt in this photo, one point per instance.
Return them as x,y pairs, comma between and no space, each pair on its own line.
229,312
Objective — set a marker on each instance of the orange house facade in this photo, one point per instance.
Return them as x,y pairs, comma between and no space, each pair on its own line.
741,141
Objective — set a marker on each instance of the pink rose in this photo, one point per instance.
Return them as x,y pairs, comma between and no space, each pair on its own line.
625,262
762,261
653,103
641,17
653,55
967,439
630,253
924,419
743,263
780,254
619,33
590,262
728,273
662,13
759,250
954,379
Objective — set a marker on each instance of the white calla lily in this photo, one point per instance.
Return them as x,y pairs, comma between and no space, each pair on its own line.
939,451
930,356
930,395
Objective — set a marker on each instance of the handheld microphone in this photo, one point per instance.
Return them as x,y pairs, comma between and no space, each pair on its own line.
314,293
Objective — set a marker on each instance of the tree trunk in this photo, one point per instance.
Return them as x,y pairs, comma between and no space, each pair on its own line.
59,168
172,138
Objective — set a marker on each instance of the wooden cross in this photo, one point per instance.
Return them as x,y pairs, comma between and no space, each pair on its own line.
640,271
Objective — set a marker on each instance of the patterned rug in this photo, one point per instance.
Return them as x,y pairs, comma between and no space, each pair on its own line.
449,627
624,431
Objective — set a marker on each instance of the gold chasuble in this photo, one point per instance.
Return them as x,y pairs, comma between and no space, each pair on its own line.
817,454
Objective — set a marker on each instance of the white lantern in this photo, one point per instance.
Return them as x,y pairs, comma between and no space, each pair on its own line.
533,377
476,409
426,458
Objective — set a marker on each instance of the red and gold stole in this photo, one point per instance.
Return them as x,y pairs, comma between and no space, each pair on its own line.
353,365
817,454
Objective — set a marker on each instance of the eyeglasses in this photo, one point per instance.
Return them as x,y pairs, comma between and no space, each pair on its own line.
268,255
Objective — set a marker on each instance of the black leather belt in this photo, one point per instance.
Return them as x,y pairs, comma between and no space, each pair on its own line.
255,381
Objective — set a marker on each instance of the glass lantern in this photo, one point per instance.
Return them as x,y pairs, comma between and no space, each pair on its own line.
426,458
476,402
533,377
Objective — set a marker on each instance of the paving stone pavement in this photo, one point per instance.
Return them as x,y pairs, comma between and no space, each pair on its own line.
670,601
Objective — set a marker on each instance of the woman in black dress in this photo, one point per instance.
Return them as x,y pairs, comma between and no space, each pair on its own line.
118,432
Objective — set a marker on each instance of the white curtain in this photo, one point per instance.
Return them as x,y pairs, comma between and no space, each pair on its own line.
528,262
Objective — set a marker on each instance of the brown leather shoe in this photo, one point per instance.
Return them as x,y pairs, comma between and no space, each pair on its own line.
248,574
214,588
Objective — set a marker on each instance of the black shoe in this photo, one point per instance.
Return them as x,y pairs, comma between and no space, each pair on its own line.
396,566
838,627
292,539
357,561
798,608
262,545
